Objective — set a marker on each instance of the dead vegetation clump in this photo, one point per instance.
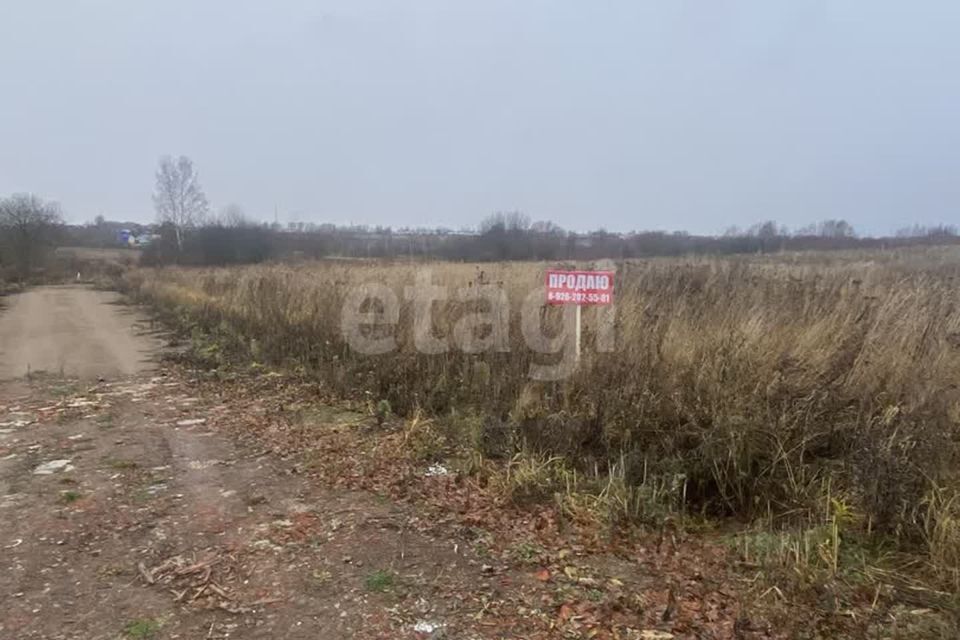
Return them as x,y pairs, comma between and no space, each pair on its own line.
758,388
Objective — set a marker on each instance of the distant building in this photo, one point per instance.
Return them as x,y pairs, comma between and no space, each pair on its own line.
129,238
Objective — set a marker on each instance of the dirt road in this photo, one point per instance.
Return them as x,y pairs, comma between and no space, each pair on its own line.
72,331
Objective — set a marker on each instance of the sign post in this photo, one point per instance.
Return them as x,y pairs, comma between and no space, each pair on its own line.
594,288
578,331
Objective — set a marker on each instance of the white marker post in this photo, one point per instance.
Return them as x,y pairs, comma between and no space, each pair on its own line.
579,306
594,288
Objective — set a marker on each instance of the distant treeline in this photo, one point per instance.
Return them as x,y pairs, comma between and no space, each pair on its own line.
499,237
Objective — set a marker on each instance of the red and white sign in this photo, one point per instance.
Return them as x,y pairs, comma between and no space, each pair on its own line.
580,287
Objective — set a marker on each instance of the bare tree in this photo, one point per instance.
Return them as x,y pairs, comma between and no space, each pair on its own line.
765,230
835,229
28,227
179,198
505,221
233,216
547,227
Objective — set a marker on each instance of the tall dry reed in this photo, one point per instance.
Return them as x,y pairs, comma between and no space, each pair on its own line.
754,382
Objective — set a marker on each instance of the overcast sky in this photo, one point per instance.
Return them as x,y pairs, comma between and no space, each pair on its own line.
625,114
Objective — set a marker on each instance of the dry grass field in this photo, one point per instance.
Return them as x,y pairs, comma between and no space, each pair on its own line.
93,265
813,396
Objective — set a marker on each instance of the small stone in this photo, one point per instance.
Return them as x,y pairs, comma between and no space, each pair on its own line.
53,466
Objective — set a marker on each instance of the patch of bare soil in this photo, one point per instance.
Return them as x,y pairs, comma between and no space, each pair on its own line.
74,331
169,506
125,514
